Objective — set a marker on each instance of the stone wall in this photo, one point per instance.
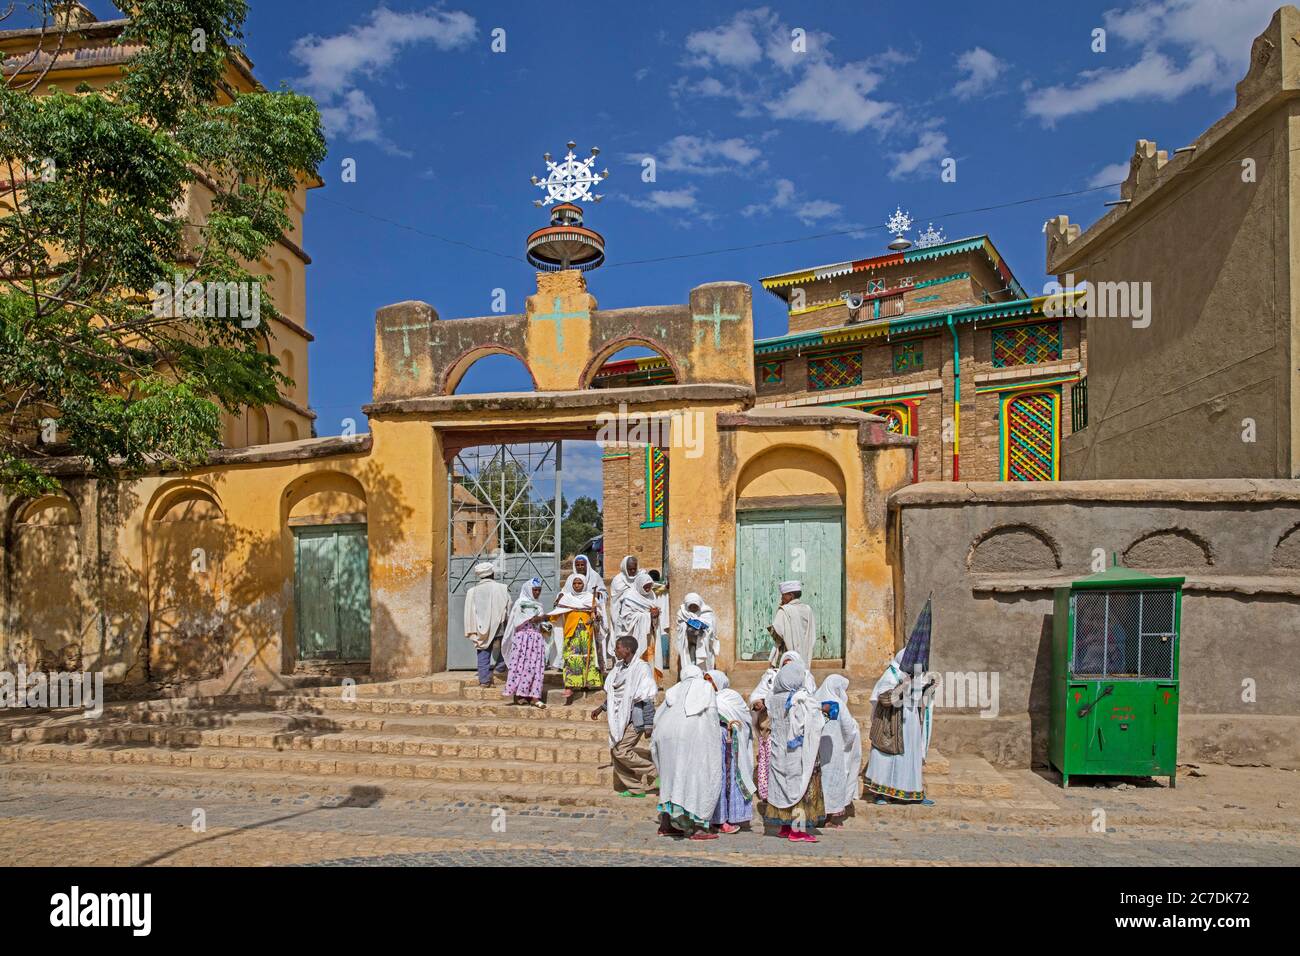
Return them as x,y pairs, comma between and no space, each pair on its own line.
625,512
991,554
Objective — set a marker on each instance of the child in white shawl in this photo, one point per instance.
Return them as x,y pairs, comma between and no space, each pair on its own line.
736,802
841,751
629,693
685,750
698,646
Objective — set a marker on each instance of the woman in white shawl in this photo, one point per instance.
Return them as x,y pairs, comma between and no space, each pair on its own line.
576,608
736,802
595,584
794,788
705,639
898,776
685,751
841,750
638,618
627,569
525,646
758,710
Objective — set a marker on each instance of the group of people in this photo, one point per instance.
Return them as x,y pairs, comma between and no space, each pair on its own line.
792,751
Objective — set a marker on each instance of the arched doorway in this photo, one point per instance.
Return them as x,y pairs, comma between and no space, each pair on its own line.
331,569
789,525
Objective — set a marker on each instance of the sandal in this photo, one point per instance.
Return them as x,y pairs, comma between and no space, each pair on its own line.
702,835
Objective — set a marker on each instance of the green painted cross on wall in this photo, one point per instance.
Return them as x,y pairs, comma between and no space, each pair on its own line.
558,317
409,363
717,318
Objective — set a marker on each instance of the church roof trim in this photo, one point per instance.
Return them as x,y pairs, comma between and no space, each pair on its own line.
981,243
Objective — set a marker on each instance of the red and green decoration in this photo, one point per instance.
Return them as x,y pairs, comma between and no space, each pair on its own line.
1031,424
839,370
1027,344
656,487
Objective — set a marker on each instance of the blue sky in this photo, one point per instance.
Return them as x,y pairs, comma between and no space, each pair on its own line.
753,141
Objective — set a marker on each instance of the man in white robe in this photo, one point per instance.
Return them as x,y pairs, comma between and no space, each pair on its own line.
794,626
627,570
629,700
486,606
685,750
696,634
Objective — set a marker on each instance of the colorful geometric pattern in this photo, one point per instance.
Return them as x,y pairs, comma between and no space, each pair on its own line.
898,418
1030,426
841,370
908,357
656,486
1027,344
771,373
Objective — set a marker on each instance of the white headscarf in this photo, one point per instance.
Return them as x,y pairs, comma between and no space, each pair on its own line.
595,583
692,692
525,608
707,647
619,585
768,679
732,708
571,600
841,747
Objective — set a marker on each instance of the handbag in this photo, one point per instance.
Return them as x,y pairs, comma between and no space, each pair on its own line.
887,726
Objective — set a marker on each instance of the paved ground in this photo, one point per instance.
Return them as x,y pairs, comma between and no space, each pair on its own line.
58,825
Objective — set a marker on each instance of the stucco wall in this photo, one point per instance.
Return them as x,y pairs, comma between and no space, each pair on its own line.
991,553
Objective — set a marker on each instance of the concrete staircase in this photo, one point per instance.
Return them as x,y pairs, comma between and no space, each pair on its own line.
438,738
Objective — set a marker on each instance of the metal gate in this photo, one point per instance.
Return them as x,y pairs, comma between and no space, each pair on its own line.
505,508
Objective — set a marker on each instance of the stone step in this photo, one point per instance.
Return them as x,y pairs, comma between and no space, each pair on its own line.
426,707
468,770
434,742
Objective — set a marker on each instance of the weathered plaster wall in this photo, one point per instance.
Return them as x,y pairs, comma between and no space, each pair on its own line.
991,554
1211,387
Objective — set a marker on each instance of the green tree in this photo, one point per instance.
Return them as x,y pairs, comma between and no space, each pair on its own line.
582,522
505,484
93,220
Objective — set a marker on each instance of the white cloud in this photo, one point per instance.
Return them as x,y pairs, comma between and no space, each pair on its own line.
835,95
659,200
980,70
785,197
335,64
1108,175
702,156
930,146
734,44
1185,44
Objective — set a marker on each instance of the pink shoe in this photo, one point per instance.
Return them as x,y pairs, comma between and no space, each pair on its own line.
785,832
729,828
797,837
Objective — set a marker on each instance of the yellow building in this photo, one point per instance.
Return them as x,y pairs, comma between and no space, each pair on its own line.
83,50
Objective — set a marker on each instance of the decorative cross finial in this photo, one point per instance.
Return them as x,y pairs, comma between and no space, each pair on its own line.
571,179
899,222
931,237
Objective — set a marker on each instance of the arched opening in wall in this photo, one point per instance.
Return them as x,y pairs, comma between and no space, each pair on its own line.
290,431
629,363
1286,556
487,371
188,635
326,520
1011,549
47,633
789,526
1168,549
288,366
259,426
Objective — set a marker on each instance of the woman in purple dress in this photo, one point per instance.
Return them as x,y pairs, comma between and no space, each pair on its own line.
526,650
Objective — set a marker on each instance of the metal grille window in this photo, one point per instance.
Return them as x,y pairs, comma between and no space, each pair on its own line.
1123,634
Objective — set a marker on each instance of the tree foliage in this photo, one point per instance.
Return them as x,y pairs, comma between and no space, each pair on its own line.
96,212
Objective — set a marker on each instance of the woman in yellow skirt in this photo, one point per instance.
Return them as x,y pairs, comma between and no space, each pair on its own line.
579,612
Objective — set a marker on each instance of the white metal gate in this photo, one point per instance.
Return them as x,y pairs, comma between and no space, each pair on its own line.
504,502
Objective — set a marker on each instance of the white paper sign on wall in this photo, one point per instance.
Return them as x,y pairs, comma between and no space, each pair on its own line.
703,558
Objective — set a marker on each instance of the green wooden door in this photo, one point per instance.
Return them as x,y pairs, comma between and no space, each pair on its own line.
773,546
332,593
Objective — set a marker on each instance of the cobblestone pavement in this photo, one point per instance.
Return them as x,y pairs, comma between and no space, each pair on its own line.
46,826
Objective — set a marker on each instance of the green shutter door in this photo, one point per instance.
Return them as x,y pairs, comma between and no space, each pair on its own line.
774,546
332,593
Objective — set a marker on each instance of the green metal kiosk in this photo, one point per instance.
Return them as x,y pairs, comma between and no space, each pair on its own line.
1115,649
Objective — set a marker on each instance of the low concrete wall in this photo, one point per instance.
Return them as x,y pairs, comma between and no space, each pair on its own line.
991,554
